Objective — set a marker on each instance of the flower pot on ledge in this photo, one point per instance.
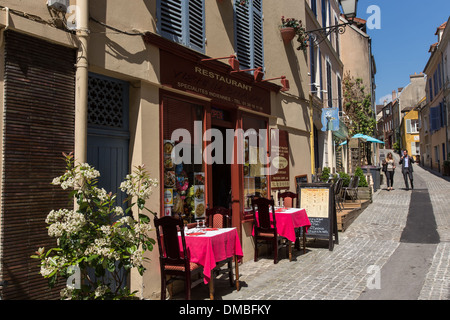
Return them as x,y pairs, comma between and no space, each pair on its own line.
287,34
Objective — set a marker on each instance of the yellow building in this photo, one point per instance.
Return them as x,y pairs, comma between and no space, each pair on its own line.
410,132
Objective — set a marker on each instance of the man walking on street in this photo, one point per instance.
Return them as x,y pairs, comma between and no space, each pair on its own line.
407,169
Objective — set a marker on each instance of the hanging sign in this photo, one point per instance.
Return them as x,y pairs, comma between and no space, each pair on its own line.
330,119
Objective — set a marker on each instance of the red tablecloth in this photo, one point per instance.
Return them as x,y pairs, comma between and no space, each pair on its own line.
288,219
212,247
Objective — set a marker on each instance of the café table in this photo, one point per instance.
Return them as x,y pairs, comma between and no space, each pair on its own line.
289,219
208,246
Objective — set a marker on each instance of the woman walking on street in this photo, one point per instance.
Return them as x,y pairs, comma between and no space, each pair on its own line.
389,164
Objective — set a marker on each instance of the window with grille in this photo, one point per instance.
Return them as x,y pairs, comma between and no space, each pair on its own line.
182,21
249,34
107,101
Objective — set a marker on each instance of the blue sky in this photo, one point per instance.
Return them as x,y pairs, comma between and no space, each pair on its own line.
401,45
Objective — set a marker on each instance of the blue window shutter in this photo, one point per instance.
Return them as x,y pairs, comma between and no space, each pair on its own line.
249,34
320,73
170,20
434,118
329,85
182,22
196,25
312,67
324,13
258,44
314,7
243,32
430,88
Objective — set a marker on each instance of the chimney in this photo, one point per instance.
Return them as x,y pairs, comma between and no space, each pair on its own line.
394,95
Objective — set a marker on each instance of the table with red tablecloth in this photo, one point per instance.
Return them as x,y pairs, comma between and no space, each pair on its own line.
208,246
289,219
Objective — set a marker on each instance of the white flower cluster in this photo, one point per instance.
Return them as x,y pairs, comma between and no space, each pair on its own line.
64,220
101,290
102,247
73,178
50,264
137,258
141,190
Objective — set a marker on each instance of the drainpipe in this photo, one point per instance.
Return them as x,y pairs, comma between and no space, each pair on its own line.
81,85
311,135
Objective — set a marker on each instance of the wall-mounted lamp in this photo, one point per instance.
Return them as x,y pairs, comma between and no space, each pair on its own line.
284,83
258,74
232,61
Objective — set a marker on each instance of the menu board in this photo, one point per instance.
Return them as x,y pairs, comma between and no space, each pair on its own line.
281,162
318,201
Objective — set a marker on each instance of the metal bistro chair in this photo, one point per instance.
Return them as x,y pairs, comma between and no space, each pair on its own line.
220,217
338,194
352,189
265,229
174,261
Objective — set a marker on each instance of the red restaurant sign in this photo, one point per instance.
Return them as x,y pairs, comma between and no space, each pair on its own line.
181,74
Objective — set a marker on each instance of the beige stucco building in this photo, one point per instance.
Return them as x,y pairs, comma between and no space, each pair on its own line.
113,89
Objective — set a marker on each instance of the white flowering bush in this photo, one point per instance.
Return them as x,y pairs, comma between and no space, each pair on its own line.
98,237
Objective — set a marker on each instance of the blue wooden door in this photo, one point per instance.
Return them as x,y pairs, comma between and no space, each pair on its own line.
108,136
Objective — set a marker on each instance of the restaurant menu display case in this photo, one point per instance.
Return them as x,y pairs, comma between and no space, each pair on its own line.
255,182
184,183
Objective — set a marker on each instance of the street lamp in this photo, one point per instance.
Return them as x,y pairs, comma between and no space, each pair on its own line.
349,8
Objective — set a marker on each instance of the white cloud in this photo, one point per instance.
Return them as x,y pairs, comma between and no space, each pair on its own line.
387,97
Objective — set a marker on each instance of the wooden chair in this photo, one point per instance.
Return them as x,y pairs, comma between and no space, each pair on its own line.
289,198
220,217
174,261
265,228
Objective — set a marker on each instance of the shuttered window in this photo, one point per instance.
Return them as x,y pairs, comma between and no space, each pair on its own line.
329,87
38,125
249,34
183,22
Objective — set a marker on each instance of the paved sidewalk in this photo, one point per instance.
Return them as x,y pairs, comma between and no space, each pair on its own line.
367,245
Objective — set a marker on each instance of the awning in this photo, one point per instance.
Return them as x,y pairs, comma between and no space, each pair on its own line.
364,137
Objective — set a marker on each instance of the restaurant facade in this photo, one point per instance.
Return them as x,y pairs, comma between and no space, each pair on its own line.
151,88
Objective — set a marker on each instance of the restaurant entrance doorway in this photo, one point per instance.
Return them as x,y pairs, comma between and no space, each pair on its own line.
221,177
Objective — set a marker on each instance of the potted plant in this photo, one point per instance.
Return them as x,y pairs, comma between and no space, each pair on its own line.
291,28
242,2
364,190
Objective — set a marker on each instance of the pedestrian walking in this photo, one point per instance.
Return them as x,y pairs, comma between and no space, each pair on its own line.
389,170
407,169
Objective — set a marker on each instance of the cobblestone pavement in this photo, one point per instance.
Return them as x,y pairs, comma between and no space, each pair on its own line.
343,274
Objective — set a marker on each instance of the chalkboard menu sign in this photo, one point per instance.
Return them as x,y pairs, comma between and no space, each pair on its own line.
318,201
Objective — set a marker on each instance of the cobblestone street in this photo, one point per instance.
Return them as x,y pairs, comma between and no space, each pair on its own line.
371,240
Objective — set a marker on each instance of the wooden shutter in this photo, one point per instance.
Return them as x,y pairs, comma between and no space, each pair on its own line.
329,85
183,22
39,116
171,19
196,25
249,34
258,45
243,36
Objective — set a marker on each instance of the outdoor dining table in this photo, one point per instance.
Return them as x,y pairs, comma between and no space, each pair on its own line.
289,219
208,246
